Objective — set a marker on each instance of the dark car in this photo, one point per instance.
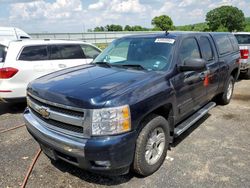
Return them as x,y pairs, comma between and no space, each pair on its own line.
122,111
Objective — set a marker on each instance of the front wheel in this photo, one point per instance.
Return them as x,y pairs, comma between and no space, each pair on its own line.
151,145
226,96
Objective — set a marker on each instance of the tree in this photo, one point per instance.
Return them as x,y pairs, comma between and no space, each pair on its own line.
98,29
137,28
113,27
162,22
127,28
225,18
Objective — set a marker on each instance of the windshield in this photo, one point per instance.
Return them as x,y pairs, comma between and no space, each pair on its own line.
2,53
243,39
144,53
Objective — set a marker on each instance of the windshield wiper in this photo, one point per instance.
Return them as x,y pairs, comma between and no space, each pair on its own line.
136,66
102,63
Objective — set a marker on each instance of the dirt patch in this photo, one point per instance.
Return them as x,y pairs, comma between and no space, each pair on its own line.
229,116
242,97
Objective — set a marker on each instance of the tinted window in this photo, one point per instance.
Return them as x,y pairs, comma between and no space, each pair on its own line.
90,52
189,49
71,51
34,53
243,39
223,44
2,53
206,49
234,42
55,52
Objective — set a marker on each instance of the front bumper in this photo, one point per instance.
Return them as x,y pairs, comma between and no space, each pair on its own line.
115,152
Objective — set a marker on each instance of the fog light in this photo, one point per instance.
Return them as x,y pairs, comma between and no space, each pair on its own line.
103,163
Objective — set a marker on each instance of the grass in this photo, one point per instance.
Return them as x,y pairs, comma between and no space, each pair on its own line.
102,46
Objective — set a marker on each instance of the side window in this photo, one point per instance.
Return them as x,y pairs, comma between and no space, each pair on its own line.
34,53
2,53
206,49
90,52
55,52
189,49
243,39
223,44
71,51
234,42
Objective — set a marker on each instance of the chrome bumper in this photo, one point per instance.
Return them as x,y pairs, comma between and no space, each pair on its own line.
244,64
64,143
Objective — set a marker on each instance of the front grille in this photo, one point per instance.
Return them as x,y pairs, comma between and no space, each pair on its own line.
57,109
68,120
58,124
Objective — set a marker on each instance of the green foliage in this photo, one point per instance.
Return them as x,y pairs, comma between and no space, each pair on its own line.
225,18
193,27
113,27
135,28
127,28
247,22
97,29
102,46
163,23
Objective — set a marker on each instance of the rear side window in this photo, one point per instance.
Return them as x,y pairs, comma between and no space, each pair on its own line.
2,53
34,53
189,49
55,52
90,51
224,44
234,42
206,49
71,51
243,39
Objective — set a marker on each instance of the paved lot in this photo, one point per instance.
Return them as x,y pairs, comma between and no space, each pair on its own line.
213,153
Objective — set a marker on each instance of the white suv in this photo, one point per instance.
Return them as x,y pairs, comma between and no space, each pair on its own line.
24,61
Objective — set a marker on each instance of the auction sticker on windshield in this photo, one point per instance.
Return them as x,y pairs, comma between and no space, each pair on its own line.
165,40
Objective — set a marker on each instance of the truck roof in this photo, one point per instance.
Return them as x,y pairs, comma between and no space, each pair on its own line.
172,34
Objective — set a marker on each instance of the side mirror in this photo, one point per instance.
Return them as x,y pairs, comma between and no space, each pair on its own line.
193,64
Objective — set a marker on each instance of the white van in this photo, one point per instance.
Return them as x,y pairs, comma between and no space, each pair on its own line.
12,33
24,61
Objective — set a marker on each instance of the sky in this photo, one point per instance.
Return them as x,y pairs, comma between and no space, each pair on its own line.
79,15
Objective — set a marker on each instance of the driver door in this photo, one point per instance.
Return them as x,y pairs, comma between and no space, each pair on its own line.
189,85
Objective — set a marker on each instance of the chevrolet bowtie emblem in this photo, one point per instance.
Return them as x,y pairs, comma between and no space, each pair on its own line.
43,111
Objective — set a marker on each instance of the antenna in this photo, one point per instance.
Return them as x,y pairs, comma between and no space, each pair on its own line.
166,32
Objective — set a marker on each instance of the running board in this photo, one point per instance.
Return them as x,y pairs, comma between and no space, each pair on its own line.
193,119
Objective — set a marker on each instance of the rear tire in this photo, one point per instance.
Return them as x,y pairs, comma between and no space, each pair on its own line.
226,96
151,145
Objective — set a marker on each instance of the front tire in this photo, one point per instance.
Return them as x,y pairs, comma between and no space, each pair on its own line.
226,96
151,145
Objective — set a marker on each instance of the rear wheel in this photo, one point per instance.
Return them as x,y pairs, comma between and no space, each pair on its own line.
151,145
226,96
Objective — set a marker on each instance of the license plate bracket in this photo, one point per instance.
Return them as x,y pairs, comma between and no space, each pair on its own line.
49,152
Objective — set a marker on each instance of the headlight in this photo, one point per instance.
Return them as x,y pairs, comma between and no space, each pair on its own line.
109,121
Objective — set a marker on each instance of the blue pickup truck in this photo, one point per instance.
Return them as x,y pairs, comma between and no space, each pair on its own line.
123,111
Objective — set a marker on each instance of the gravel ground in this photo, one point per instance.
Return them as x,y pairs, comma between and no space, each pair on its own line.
213,153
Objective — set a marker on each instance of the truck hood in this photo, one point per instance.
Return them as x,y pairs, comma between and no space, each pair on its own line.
87,86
